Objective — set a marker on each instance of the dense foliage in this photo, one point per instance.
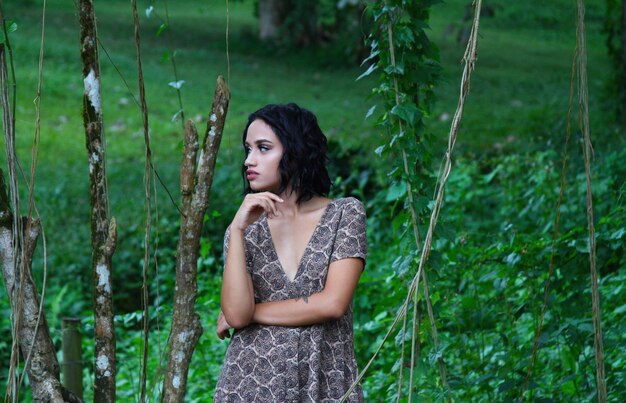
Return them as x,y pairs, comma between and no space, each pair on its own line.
487,275
489,265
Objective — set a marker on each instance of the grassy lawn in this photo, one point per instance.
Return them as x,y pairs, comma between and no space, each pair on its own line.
257,77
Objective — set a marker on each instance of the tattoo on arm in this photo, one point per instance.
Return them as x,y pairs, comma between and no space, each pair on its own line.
304,298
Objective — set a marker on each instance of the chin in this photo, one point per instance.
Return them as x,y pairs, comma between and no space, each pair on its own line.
258,189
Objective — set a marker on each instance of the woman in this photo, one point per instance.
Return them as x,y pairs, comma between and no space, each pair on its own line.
293,259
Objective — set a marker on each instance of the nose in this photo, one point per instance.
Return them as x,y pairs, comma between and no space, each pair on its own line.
250,160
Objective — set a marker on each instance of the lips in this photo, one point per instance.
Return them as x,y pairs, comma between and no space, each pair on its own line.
250,175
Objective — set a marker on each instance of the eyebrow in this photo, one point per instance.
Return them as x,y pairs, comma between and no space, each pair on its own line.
260,141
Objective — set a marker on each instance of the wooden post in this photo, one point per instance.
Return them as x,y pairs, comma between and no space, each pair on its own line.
72,357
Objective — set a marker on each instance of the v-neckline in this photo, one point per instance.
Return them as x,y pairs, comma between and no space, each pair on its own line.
306,248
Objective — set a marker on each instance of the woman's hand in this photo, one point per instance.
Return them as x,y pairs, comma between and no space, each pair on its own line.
253,205
223,328
237,298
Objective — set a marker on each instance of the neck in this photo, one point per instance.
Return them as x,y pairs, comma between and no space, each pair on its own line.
291,208
290,205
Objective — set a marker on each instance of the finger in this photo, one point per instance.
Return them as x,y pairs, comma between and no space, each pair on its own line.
223,334
267,196
268,206
274,200
263,203
273,196
273,207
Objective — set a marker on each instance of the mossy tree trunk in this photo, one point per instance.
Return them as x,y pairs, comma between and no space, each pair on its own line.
103,229
18,238
33,334
196,178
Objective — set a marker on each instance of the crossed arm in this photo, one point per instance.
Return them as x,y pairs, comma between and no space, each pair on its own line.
237,297
239,309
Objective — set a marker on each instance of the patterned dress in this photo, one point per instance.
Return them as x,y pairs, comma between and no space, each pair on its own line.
305,363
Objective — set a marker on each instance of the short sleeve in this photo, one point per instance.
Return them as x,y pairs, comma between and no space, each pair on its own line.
248,255
351,237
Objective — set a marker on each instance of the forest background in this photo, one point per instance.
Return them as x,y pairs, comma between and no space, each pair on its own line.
492,247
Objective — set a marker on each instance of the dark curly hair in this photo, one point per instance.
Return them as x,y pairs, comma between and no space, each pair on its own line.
303,165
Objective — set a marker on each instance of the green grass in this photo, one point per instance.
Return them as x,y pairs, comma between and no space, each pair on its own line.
257,77
520,89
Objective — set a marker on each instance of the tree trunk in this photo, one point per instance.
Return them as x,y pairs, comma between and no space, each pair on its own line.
103,229
196,178
43,367
16,256
271,16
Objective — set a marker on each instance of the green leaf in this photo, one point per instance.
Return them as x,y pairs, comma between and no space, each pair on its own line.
489,177
166,57
397,69
369,71
512,258
162,28
618,234
407,112
176,84
435,297
11,26
396,191
620,310
372,55
177,115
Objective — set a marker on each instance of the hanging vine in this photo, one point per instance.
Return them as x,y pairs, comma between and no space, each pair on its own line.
583,111
147,179
409,69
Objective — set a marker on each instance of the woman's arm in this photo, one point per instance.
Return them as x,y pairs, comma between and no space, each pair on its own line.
330,303
237,297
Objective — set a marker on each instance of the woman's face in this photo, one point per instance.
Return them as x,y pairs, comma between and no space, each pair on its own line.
264,152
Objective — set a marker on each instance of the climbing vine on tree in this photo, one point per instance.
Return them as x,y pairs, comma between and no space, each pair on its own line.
488,265
407,63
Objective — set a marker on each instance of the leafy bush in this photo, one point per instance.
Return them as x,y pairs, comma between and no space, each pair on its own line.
486,279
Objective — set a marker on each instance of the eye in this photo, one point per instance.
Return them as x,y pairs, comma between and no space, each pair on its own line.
264,148
247,149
